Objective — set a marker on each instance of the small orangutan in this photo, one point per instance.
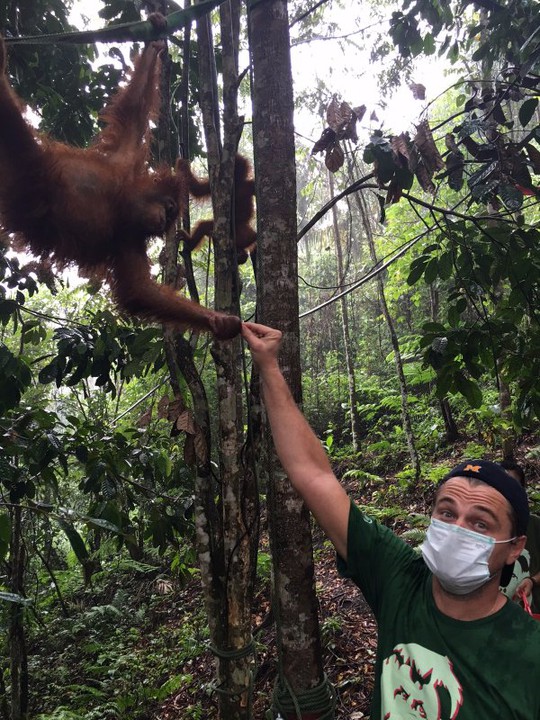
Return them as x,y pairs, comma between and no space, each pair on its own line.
245,237
98,207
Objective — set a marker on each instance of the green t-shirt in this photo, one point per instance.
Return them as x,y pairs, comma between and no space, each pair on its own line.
533,546
428,664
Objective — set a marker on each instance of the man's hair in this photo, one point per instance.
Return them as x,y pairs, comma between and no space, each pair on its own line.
512,466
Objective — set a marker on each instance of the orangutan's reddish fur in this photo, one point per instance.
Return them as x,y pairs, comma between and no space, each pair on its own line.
98,207
245,237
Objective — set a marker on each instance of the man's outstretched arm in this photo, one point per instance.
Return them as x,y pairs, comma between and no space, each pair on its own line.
298,448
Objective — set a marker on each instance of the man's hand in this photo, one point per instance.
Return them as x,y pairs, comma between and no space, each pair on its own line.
264,343
525,587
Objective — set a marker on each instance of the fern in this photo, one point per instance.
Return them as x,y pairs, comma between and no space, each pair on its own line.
415,536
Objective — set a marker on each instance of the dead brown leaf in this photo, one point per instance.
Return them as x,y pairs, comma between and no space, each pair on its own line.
334,158
163,408
186,423
338,115
145,419
427,149
418,90
327,139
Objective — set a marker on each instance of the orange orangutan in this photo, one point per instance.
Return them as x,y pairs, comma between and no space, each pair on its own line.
245,237
98,207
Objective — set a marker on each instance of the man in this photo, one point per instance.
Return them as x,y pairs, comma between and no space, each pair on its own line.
526,571
450,645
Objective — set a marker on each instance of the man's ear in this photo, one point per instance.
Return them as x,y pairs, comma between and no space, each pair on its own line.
515,549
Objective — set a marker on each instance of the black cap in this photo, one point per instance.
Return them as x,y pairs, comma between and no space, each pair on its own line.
494,475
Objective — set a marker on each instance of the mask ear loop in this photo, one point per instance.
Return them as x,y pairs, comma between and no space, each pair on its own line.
510,540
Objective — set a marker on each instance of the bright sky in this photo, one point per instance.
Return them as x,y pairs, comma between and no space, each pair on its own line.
348,74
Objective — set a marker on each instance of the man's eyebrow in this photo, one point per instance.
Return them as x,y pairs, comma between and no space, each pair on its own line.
483,508
478,508
445,498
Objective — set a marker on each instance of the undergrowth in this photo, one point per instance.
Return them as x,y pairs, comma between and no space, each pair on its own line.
115,657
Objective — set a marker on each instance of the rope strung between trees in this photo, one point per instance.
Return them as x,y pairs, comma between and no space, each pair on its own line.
320,701
125,32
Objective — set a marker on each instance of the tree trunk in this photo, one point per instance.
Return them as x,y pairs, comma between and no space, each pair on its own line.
405,415
233,576
353,398
451,429
17,636
294,602
226,506
508,434
452,432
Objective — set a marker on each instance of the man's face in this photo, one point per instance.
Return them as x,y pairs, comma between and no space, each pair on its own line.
482,509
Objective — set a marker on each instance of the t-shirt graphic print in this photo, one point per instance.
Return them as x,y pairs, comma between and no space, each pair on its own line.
419,683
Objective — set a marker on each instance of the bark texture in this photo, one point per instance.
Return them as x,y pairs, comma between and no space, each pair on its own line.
295,605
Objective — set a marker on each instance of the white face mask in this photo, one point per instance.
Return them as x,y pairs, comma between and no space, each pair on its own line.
458,557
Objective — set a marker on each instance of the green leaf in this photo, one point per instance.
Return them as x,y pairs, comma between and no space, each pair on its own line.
7,309
446,265
469,389
433,327
527,110
429,44
432,270
453,316
76,541
49,373
103,524
81,453
482,51
13,598
511,197
417,269
368,157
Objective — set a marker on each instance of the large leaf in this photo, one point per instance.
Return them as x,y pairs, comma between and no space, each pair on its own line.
469,389
527,110
76,541
13,598
511,197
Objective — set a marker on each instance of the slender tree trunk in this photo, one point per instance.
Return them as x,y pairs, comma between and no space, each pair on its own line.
508,435
405,415
226,504
353,398
4,705
17,635
295,604
232,642
451,429
452,432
